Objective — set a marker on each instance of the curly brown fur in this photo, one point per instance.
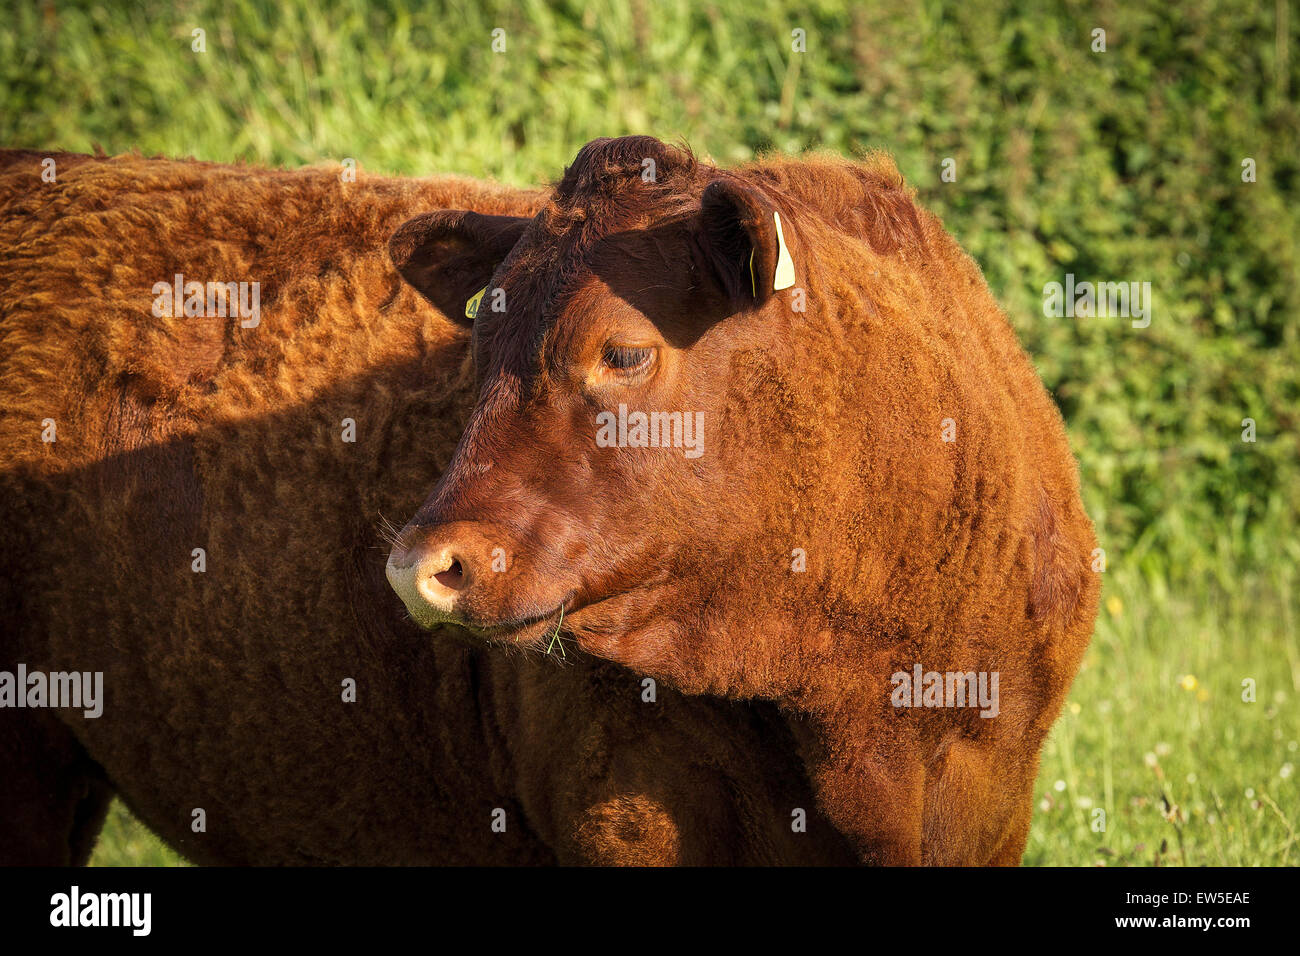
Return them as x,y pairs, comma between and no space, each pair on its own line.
223,688
829,425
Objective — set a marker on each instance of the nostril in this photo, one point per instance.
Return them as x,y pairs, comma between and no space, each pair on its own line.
453,578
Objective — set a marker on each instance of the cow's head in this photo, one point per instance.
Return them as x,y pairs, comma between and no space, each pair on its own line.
657,426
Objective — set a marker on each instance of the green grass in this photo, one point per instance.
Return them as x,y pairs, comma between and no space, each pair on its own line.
1117,166
1157,735
125,841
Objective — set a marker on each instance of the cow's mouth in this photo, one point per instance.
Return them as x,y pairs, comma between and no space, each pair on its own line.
534,630
553,630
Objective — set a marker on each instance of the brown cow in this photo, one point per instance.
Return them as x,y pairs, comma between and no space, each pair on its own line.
775,567
879,488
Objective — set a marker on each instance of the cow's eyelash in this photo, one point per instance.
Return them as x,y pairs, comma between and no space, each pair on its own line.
626,358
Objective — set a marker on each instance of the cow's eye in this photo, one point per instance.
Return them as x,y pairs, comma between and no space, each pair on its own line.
626,358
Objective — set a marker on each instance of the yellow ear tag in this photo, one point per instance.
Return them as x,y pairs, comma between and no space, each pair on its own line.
753,283
471,307
784,264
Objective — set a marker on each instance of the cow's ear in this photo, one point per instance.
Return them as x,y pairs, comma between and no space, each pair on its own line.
745,241
449,255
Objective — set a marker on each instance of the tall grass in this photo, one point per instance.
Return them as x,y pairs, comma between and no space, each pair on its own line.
1159,735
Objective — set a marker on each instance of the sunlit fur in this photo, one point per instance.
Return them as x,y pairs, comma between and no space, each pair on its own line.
826,435
223,688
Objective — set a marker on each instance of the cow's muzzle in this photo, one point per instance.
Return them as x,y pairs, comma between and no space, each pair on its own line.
439,572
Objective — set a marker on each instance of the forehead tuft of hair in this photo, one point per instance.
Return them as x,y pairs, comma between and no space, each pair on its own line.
630,181
613,185
607,165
